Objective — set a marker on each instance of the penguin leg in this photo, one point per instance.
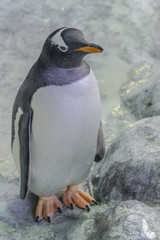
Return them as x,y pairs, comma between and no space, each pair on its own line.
46,207
73,196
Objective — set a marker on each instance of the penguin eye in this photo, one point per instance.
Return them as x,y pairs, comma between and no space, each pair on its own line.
62,48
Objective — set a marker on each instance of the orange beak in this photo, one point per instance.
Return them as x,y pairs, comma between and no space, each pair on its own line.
91,48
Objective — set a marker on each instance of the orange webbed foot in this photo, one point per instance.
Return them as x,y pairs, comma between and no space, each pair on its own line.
76,197
46,207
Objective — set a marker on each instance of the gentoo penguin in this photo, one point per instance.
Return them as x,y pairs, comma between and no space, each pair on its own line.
56,126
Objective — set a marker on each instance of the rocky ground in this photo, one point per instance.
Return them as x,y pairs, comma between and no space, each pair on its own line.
126,183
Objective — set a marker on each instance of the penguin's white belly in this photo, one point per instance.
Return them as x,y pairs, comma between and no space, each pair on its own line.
64,133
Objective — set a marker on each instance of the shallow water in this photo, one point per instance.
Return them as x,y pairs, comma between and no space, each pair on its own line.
127,30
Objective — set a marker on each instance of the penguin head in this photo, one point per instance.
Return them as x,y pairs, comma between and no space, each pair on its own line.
66,48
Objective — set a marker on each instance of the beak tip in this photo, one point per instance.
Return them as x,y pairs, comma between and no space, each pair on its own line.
100,48
97,48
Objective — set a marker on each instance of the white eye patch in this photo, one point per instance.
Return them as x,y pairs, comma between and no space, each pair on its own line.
58,40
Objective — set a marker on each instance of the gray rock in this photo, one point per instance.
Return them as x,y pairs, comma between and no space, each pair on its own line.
141,94
130,220
116,121
131,168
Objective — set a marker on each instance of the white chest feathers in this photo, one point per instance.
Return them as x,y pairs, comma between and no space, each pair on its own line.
64,134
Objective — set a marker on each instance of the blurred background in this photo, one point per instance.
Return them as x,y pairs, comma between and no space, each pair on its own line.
129,32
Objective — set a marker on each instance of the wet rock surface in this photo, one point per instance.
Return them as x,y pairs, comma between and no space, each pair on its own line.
131,168
141,94
129,220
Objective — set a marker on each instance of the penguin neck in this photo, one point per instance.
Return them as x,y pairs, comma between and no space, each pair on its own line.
68,61
59,76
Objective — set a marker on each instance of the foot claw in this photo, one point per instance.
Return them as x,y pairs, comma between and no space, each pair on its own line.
37,219
88,208
59,210
94,202
71,206
49,219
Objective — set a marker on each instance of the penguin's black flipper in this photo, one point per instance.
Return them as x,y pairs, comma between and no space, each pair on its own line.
100,145
24,132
